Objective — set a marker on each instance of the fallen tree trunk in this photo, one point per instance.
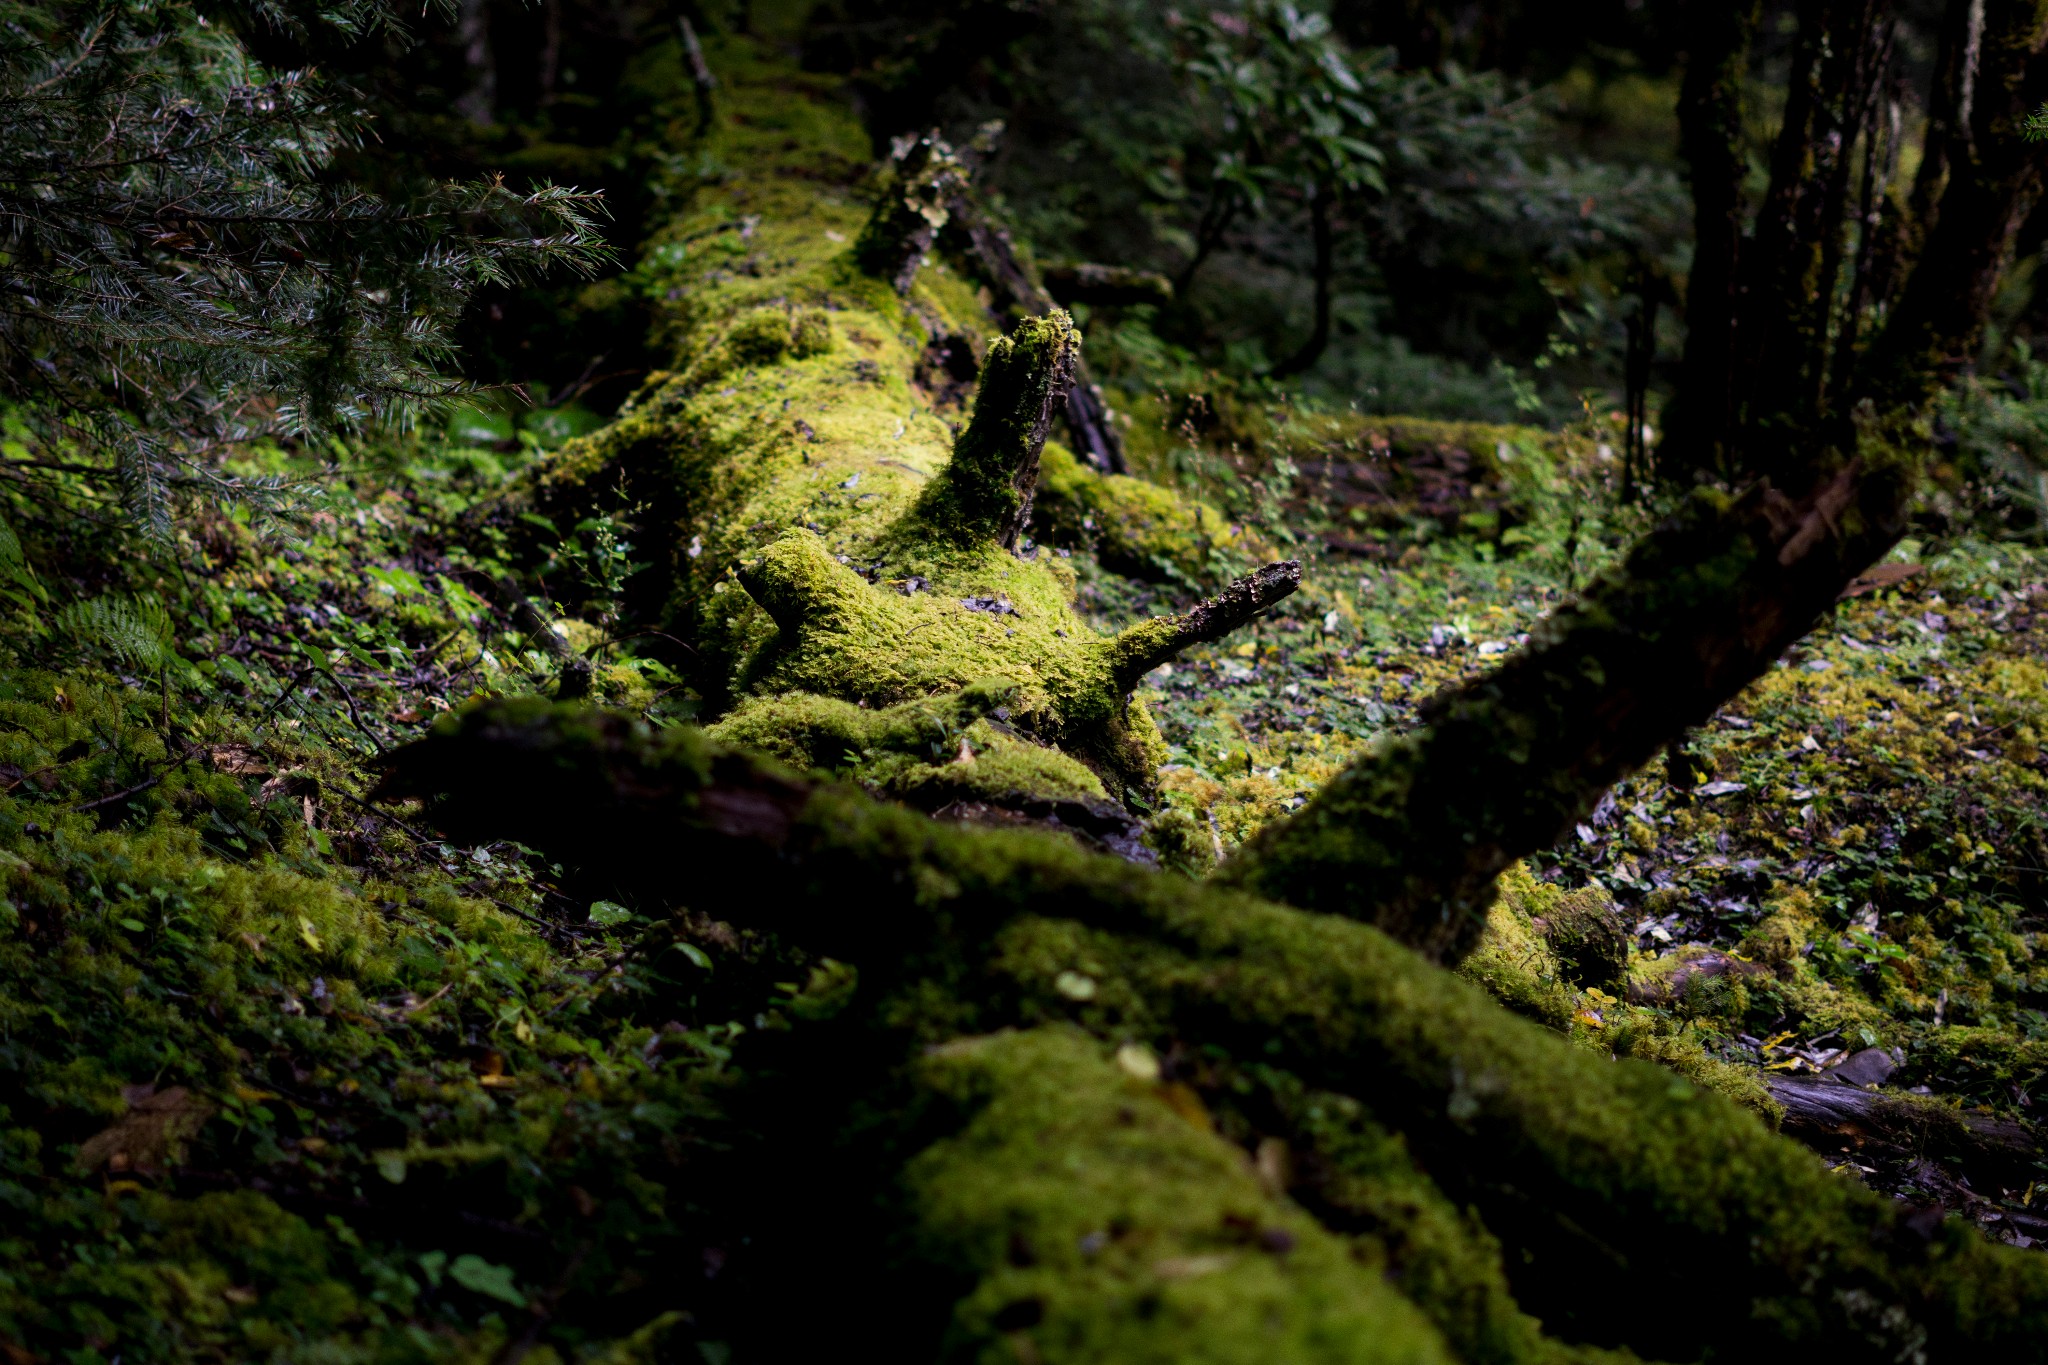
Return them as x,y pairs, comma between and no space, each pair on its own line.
1837,1118
1572,1160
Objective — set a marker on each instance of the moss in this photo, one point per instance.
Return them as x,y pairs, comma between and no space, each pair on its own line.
1517,963
1514,962
1360,1178
1993,1062
221,1042
814,510
1096,1222
1134,527
983,494
929,751
1571,1158
765,336
1586,933
836,634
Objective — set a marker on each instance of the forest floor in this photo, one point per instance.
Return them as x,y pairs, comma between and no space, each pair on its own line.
1840,875
240,1002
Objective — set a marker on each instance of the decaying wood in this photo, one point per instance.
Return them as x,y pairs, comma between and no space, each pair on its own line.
1143,648
1835,1117
1015,288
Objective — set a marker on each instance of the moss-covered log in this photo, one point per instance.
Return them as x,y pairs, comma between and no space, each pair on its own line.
1610,1186
825,544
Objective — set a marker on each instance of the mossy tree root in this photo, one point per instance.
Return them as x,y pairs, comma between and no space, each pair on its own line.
1573,1160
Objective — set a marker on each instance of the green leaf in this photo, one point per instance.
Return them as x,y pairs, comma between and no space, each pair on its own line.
479,1276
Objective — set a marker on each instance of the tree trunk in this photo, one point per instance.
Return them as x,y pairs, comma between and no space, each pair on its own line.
1323,272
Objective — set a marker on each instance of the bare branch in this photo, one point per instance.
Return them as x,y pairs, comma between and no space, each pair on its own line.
1144,647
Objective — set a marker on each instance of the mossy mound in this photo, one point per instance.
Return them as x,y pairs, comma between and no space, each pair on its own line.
256,1101
1103,1219
1134,527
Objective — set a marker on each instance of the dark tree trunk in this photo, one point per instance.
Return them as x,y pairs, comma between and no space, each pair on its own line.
1710,135
1324,271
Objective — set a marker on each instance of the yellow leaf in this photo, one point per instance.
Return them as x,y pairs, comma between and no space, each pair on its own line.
522,1031
307,933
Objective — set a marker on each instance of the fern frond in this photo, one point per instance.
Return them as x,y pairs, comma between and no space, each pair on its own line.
137,631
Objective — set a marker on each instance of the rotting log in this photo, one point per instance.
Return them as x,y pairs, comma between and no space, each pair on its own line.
850,575
1833,1116
1569,1159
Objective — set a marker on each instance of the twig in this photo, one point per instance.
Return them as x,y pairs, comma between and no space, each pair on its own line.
1144,647
135,790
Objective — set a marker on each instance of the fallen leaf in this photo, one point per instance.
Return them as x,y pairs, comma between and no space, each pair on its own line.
1881,576
238,760
1190,1267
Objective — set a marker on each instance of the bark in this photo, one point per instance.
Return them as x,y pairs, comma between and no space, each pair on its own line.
1016,288
701,79
1837,1118
984,492
926,179
1710,136
1143,648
